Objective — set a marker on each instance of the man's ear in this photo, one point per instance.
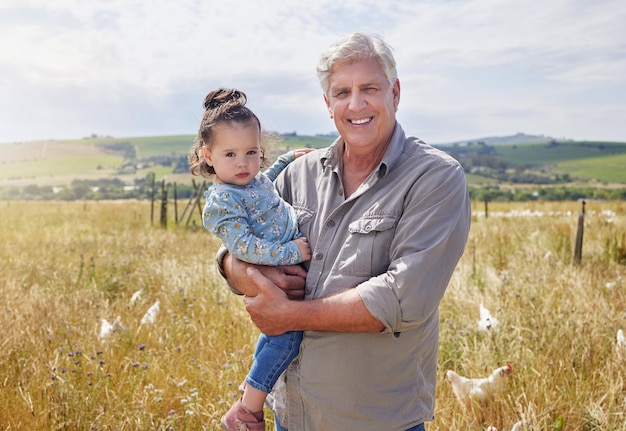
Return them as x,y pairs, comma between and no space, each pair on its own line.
327,102
396,93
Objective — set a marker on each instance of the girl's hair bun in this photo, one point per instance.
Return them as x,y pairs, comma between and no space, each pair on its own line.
224,98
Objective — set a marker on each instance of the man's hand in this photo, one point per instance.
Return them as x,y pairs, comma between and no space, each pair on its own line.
269,309
274,314
290,279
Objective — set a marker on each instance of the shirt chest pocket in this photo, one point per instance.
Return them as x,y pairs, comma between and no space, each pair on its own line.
366,251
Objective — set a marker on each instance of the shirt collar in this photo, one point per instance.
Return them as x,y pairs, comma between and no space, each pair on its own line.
332,157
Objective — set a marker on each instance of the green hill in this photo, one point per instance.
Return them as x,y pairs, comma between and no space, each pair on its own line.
544,162
59,162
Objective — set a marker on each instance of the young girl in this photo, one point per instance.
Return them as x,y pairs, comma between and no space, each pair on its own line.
256,225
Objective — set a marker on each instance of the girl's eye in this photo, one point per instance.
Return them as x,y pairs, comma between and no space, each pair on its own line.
252,152
230,154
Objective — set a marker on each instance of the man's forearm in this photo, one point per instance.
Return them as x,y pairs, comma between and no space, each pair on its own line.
222,252
344,312
232,268
274,314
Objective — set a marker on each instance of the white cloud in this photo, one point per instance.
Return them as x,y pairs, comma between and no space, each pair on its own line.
468,68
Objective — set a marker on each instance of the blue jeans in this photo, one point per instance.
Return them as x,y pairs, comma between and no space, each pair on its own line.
419,427
272,356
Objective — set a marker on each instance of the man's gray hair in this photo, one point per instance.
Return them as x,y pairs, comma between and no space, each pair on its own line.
356,47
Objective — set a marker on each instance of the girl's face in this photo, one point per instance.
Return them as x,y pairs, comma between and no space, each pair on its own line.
235,153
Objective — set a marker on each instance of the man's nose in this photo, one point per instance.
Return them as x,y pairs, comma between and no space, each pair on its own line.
357,101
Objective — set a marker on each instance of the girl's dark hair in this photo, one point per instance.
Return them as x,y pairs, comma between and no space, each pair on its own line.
223,105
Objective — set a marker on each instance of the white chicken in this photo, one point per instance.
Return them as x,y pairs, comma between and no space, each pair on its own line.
106,328
136,297
481,389
620,344
151,314
487,321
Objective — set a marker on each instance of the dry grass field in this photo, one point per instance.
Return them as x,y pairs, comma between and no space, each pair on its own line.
64,267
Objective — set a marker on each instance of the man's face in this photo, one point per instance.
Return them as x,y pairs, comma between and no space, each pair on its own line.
362,103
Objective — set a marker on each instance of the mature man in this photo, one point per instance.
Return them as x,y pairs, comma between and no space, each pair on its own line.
387,218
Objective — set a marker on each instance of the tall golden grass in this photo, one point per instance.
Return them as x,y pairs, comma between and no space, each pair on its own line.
67,266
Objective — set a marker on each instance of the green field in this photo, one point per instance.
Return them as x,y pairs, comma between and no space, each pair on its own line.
162,145
547,153
610,169
601,161
307,141
478,180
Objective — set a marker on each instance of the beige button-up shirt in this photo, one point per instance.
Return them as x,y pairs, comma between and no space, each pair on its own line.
396,240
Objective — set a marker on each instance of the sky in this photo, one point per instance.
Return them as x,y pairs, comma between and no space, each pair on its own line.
468,68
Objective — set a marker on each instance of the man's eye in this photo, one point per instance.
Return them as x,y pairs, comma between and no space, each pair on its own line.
341,93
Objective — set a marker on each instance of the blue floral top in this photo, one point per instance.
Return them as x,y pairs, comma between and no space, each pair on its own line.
255,224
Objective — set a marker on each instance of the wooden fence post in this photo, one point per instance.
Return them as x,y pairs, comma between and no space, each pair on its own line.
200,194
190,203
152,201
578,250
163,205
175,205
195,201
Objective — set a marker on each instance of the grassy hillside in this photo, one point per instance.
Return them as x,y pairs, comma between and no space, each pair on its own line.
162,145
603,162
556,152
146,146
610,169
47,159
60,162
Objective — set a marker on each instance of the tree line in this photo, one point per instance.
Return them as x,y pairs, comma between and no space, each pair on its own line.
100,189
142,188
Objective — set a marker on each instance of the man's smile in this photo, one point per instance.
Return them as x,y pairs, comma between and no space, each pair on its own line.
361,121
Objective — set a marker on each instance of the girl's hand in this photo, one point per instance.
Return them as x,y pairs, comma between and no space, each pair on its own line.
303,246
302,151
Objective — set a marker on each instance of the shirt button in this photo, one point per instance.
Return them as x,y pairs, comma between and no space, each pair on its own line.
331,223
319,256
340,192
